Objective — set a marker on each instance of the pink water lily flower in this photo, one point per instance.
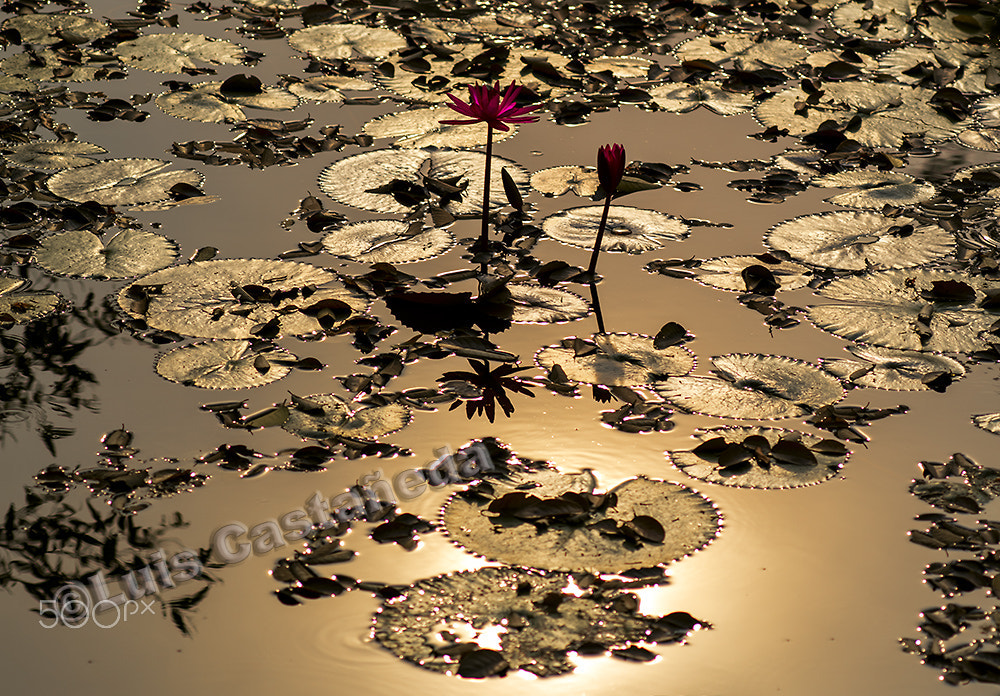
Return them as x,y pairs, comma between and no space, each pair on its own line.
487,105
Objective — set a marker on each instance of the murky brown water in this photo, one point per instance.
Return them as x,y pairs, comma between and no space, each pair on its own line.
808,590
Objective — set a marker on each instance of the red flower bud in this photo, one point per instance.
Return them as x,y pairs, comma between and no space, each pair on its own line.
610,166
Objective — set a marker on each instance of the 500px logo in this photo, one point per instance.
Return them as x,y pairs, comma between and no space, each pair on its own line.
72,607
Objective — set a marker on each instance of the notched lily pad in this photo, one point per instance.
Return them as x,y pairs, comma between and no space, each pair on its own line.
47,29
207,102
54,154
387,241
343,41
759,387
629,230
225,364
536,304
423,128
756,457
875,189
617,359
728,273
83,254
555,181
561,524
121,181
896,370
19,306
173,52
322,416
452,623
681,98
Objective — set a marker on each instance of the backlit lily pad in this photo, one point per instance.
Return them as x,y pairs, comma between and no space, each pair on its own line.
322,416
495,621
54,154
555,181
173,52
990,422
758,387
726,273
360,180
617,359
47,29
874,189
19,306
327,88
121,181
83,254
968,62
555,526
909,310
897,370
630,230
343,41
860,240
423,128
755,457
205,102
681,98
387,241
536,304
747,51
240,298
225,364
881,20
45,65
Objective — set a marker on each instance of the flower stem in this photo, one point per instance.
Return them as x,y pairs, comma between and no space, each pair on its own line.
484,237
600,236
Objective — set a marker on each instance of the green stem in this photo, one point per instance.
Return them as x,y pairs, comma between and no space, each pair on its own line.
484,237
600,235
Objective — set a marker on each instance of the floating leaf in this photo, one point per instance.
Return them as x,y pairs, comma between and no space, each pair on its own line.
387,241
209,299
205,102
555,181
759,387
175,52
860,240
881,20
225,364
873,189
327,415
750,51
54,154
423,128
782,459
120,181
327,88
617,359
535,304
726,273
967,63
630,230
897,370
47,29
583,541
18,306
681,98
356,180
889,309
46,65
990,422
343,41
539,618
83,254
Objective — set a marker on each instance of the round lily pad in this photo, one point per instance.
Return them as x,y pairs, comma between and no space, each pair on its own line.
681,98
19,306
46,65
990,422
327,88
451,623
173,52
858,240
240,298
343,41
205,102
555,181
536,304
911,64
880,20
876,189
640,523
225,364
629,230
45,29
726,273
83,254
54,154
756,457
617,359
322,416
911,309
387,241
121,181
895,370
758,387
748,51
423,128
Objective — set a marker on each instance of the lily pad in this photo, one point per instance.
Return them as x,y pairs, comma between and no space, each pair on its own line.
387,241
881,20
423,128
726,273
82,254
895,370
47,29
756,457
909,310
322,416
629,230
990,422
343,41
758,387
121,181
875,189
359,179
54,154
681,98
568,530
19,306
751,51
225,364
327,88
968,62
173,52
205,102
451,623
860,240
617,359
555,181
536,304
46,65
239,298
